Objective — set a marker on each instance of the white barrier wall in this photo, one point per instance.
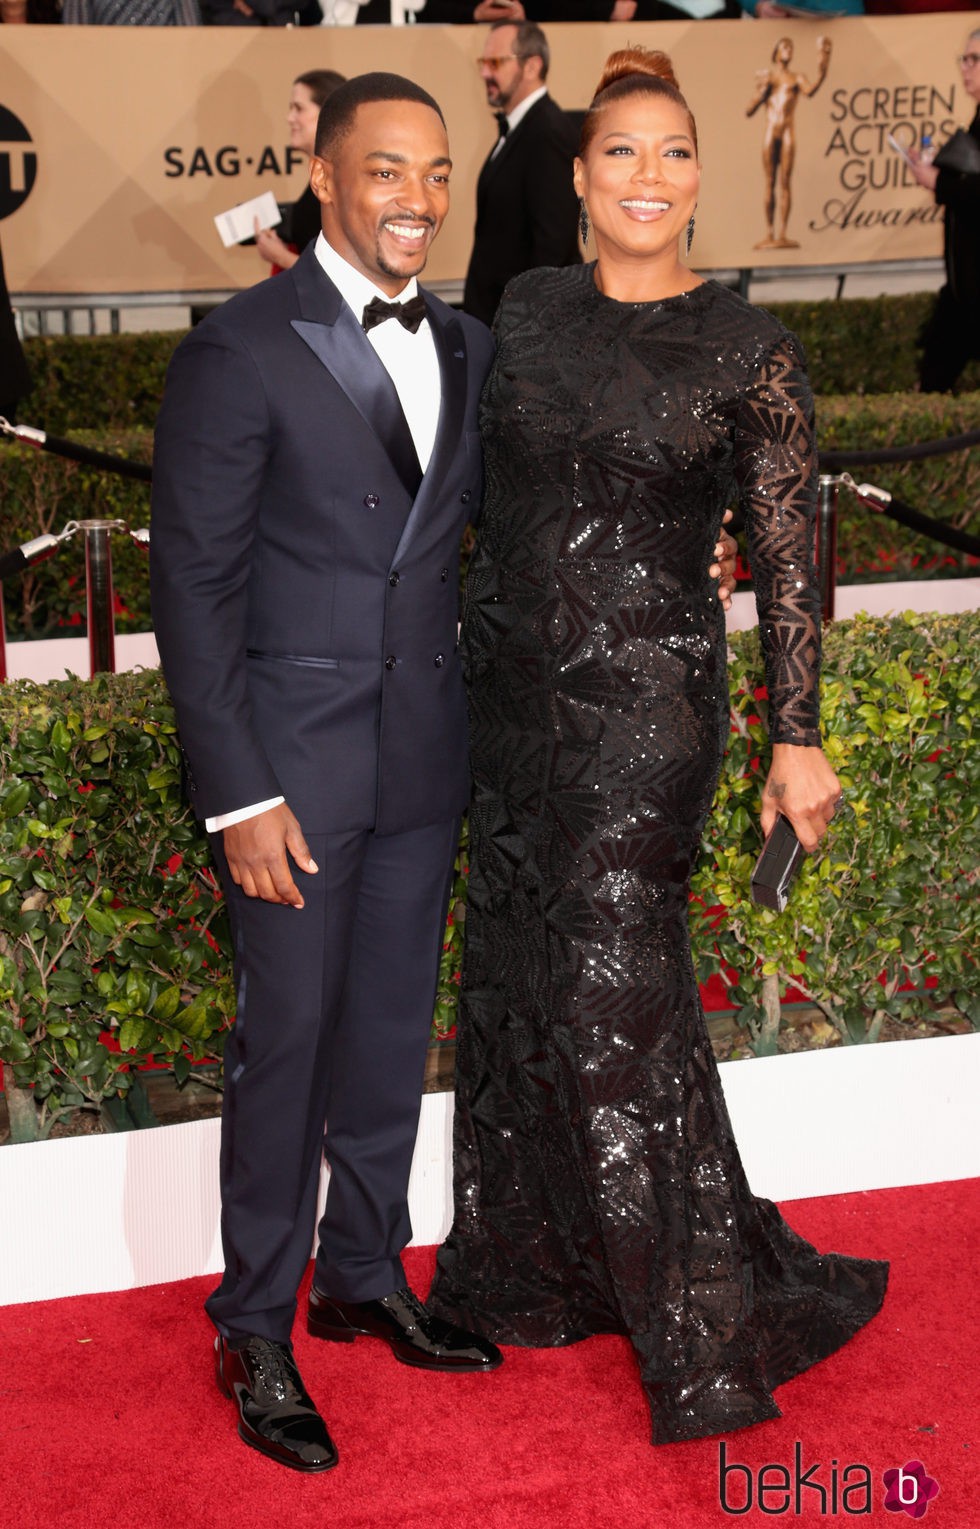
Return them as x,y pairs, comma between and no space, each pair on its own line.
99,1213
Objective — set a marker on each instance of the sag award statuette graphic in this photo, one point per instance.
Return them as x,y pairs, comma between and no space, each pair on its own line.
778,89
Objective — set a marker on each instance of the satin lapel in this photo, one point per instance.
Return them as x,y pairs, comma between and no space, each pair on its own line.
451,350
338,341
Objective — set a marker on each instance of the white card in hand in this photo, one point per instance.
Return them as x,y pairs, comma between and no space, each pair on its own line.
238,223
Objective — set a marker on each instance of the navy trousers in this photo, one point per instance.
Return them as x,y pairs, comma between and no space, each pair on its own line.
327,1053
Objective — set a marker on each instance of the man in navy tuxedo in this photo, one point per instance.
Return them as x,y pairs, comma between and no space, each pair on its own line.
317,458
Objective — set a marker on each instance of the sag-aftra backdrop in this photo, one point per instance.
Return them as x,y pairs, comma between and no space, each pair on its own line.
119,145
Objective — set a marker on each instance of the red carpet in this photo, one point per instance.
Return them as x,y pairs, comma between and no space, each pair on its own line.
110,1415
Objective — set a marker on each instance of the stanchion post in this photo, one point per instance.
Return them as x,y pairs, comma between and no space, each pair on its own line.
827,543
99,596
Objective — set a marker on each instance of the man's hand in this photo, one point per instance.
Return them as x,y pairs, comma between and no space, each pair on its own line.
726,551
256,855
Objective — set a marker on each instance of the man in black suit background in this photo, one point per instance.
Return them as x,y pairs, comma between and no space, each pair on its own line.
316,460
526,207
15,379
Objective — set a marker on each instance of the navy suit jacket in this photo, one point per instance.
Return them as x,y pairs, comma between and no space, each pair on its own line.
304,583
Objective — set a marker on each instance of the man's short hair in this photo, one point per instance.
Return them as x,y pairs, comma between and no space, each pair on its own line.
338,111
530,42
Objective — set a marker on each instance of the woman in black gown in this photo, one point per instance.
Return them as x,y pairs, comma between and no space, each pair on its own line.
598,1185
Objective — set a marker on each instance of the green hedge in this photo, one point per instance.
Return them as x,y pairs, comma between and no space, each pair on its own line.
864,344
114,382
870,546
105,390
894,900
39,492
114,948
96,382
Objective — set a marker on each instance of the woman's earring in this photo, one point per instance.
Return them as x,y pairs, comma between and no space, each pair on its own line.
690,232
583,220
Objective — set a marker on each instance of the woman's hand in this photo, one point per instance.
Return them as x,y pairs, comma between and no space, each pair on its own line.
272,248
925,173
802,786
723,569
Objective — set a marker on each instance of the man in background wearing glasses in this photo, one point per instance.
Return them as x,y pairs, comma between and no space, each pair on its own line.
952,335
526,208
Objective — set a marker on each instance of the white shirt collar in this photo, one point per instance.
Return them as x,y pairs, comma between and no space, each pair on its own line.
521,111
354,287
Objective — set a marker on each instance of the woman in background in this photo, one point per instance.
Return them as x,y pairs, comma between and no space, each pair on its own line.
598,1185
308,94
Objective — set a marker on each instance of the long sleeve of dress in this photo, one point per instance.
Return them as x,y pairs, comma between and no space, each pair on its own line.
776,472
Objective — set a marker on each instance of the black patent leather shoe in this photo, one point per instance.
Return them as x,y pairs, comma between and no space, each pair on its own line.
275,1413
400,1320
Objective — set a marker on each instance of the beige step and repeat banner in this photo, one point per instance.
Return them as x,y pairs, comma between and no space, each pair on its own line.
119,145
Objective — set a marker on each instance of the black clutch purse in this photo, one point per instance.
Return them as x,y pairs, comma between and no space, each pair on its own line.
781,858
960,153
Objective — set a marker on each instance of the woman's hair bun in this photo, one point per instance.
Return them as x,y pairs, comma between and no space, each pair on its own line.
627,61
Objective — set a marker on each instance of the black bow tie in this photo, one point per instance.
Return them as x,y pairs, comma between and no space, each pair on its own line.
410,314
503,126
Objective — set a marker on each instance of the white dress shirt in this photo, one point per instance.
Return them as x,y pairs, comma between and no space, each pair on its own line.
412,363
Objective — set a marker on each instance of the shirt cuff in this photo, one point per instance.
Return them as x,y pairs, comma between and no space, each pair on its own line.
226,819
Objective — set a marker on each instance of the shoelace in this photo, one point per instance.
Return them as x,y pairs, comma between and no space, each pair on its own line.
273,1367
408,1298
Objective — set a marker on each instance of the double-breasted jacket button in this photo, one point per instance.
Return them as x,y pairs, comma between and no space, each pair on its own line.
390,661
393,579
465,496
439,660
371,501
444,574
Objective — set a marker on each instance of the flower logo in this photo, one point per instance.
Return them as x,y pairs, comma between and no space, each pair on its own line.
909,1490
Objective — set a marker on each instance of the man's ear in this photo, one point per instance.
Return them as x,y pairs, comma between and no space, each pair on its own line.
536,68
321,179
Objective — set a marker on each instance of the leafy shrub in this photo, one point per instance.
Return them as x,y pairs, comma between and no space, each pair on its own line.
114,949
115,382
39,492
871,546
96,382
894,899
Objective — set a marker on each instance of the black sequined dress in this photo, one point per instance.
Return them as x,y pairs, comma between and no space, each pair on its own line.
598,1185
